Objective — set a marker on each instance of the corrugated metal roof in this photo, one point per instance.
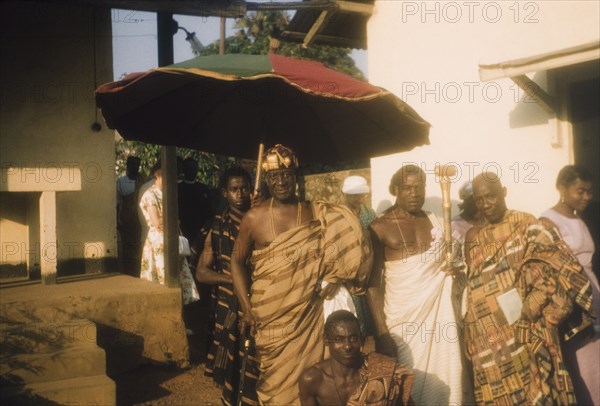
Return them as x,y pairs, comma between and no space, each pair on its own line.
341,28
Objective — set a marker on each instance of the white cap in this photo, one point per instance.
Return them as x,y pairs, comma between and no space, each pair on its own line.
355,185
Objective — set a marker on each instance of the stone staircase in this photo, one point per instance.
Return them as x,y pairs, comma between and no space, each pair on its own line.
53,363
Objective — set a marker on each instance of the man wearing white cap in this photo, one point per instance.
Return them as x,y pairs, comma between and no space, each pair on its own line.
355,190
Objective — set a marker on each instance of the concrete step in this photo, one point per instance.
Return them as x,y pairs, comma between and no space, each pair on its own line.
88,390
71,362
119,303
46,337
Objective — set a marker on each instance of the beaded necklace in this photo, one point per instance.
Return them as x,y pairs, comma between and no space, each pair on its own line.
298,217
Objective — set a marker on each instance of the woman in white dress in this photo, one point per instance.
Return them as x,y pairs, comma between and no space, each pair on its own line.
582,355
153,257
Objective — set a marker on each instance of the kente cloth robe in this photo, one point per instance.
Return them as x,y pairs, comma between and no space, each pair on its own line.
284,297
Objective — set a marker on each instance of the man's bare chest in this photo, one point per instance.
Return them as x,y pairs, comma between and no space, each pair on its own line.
407,237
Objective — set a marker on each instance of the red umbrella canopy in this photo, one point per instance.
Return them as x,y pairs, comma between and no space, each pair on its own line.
228,104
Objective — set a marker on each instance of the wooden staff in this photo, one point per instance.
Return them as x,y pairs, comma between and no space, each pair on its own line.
261,148
445,172
240,394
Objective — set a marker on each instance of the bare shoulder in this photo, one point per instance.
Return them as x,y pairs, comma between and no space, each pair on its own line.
312,376
380,222
310,385
256,213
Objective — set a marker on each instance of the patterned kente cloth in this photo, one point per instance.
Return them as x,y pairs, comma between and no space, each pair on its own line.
383,382
333,247
521,363
225,356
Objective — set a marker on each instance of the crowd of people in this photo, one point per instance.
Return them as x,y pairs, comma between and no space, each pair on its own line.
297,286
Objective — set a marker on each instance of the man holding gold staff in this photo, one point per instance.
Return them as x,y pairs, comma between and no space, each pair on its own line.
417,319
293,246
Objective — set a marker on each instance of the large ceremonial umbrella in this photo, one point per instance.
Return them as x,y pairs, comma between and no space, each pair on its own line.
229,104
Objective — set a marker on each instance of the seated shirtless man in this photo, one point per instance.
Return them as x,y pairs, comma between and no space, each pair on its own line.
350,377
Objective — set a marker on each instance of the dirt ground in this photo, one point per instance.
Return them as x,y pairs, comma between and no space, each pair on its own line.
169,385
164,385
155,385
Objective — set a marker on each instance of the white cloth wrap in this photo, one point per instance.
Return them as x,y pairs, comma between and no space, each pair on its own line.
420,310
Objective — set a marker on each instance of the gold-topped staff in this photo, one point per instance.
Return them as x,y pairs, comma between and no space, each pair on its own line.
445,172
261,149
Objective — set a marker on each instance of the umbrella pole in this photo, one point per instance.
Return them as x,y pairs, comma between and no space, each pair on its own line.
261,148
445,172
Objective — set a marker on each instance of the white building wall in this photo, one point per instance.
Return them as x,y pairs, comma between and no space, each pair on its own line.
428,54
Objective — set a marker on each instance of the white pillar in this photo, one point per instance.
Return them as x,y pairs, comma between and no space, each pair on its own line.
48,245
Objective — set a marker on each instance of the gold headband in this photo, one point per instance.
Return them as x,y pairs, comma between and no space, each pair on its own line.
279,157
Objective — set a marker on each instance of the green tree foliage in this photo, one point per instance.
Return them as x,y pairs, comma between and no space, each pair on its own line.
254,36
209,165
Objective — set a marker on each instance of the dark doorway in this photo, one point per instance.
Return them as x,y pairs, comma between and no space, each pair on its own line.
585,118
584,102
